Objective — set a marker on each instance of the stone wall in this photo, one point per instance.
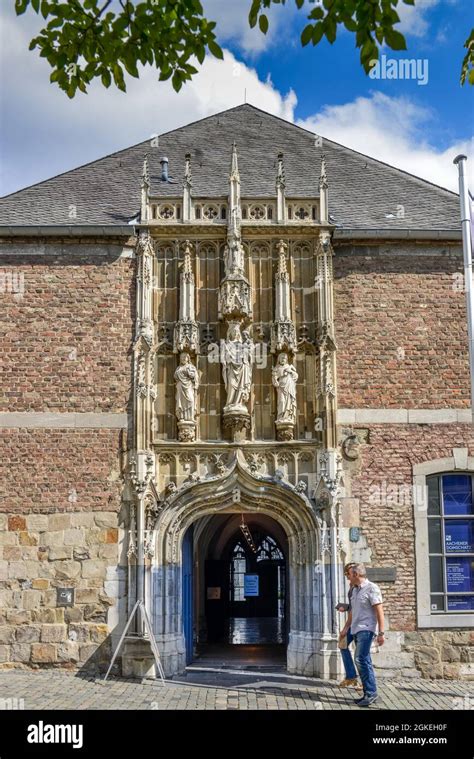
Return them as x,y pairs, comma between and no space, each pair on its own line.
447,654
431,654
43,552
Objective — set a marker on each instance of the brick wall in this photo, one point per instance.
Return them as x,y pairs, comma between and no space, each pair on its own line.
65,337
387,521
401,326
45,470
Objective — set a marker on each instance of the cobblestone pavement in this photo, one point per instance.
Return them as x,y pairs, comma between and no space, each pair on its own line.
227,690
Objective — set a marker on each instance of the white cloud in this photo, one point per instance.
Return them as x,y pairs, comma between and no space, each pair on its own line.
231,17
413,19
45,133
392,130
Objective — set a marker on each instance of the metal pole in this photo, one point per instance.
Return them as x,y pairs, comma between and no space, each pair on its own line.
140,561
460,162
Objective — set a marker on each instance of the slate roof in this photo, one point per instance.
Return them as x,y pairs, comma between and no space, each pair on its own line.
362,190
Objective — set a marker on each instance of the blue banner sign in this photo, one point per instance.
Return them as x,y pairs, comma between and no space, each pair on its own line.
459,535
461,603
458,574
250,585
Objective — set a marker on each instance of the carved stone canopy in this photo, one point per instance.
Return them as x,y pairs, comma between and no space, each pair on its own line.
238,490
234,298
283,336
186,336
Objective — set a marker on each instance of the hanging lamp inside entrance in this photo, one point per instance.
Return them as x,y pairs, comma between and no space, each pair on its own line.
247,535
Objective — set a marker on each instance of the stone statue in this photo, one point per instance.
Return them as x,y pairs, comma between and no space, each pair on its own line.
187,383
284,378
234,258
236,357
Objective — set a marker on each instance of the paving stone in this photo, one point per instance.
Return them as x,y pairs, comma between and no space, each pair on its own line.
59,689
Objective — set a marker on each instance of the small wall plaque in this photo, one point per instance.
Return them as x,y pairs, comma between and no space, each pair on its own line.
64,596
354,534
213,594
382,574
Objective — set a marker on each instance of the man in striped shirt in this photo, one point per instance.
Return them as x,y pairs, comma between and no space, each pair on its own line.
365,615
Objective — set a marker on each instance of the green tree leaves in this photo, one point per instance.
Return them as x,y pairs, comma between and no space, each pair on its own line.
372,22
395,40
263,23
467,71
85,40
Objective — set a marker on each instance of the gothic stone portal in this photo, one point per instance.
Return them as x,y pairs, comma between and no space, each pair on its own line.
311,641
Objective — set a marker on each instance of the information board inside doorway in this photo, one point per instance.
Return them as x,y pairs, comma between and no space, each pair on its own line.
250,585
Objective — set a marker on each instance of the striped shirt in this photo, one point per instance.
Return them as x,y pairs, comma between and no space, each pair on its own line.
363,599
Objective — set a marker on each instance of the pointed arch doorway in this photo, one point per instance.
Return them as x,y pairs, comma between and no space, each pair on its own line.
240,587
214,507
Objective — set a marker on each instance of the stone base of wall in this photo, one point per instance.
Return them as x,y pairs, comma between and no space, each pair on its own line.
40,553
447,655
433,654
391,660
314,655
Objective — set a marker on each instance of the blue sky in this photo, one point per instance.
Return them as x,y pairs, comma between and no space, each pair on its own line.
419,128
332,73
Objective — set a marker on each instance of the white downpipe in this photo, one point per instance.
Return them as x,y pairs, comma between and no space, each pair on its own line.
460,162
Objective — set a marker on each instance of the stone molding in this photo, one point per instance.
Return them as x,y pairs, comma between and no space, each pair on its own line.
403,416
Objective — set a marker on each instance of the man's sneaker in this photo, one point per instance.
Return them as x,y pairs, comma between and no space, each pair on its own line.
358,700
367,700
348,682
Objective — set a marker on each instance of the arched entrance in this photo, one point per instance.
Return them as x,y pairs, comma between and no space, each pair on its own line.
241,603
277,510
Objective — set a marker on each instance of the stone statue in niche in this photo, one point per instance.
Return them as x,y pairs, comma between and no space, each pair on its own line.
234,258
237,359
187,383
284,378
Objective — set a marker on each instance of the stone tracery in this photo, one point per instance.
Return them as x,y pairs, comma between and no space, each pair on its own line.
202,479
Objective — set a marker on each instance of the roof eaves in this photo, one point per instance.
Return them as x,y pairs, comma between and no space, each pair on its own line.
70,230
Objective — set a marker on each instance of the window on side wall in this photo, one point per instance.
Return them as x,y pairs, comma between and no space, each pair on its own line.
451,543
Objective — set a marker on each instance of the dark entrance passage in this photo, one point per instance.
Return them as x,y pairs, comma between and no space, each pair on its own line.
246,591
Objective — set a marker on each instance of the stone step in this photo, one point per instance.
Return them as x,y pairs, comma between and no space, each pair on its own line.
396,660
397,674
411,673
386,674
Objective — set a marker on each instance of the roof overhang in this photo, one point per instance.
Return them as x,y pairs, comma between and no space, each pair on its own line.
69,230
127,230
397,234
